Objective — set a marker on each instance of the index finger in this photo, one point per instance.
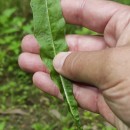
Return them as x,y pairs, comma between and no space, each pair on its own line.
93,14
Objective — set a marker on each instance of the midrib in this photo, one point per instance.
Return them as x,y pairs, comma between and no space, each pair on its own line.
63,84
53,45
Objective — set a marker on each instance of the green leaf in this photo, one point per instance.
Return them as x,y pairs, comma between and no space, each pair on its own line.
2,125
49,30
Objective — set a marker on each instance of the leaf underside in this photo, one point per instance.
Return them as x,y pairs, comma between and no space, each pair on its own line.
49,30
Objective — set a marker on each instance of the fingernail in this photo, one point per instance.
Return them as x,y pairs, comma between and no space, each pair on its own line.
59,60
60,96
75,89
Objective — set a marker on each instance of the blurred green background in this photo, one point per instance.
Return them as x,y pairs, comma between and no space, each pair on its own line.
22,106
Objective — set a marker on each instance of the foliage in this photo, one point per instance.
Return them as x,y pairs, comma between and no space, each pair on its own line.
51,37
22,5
11,32
127,2
38,110
16,90
2,126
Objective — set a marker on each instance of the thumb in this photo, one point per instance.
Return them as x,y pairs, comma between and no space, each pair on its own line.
85,67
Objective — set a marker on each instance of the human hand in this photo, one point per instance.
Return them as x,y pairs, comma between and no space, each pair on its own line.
107,69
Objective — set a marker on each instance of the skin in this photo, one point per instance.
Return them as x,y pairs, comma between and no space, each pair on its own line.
101,63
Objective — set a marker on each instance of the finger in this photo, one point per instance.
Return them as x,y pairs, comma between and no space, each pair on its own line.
30,44
90,13
85,67
43,81
85,43
75,43
31,62
89,98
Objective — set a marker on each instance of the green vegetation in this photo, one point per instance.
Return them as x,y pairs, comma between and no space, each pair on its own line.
22,106
51,44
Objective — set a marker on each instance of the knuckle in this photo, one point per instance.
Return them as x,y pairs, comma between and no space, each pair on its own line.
106,66
72,65
80,11
116,67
